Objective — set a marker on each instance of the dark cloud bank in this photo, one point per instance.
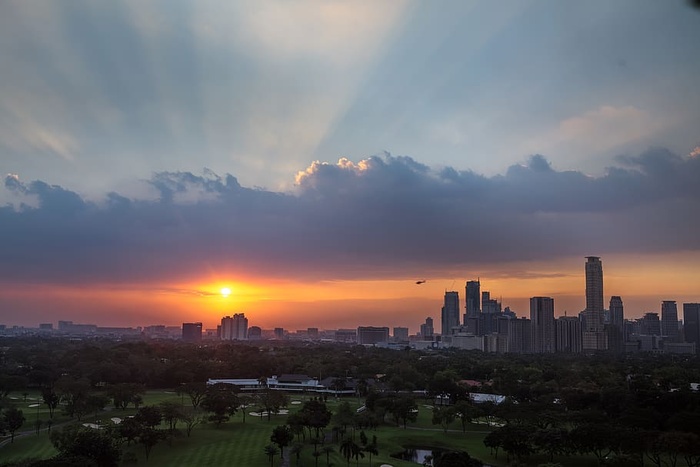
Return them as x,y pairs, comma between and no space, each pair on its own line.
386,216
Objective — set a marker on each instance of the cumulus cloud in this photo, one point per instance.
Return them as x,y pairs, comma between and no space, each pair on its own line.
381,217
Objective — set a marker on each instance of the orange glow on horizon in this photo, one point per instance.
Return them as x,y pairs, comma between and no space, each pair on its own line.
641,281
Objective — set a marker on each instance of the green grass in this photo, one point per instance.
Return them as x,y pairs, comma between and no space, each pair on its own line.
239,443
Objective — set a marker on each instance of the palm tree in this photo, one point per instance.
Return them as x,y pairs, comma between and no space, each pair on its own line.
328,450
316,455
271,451
371,449
349,449
296,450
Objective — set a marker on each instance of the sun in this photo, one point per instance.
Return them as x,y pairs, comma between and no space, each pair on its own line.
225,291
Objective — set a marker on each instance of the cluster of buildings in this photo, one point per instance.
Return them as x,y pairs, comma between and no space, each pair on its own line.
484,326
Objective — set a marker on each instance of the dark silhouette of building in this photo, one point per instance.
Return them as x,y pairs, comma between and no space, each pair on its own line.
473,299
669,320
691,324
427,331
594,335
542,323
369,335
450,313
616,328
192,332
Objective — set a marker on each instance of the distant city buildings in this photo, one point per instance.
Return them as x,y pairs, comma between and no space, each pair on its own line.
669,320
192,332
234,328
370,335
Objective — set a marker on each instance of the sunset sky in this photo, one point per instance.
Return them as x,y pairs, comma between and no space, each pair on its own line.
318,158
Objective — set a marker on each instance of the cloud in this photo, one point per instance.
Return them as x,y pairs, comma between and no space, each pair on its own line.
384,216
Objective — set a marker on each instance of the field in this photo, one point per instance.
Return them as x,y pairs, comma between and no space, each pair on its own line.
241,443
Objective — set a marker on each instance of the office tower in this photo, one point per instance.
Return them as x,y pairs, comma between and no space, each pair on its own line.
594,336
669,320
520,335
400,334
191,332
650,325
473,297
369,335
450,313
594,284
616,328
312,333
234,328
427,330
568,334
489,305
542,323
691,324
279,333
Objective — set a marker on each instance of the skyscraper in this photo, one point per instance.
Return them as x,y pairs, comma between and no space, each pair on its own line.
669,320
594,284
691,324
426,330
594,337
450,313
542,319
616,336
473,299
568,334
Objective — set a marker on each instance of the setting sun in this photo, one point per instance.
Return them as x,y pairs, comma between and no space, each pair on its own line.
225,291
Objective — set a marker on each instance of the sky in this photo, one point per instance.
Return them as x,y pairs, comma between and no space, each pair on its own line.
319,158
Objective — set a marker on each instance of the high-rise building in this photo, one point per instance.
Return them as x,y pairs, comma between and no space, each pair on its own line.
616,328
234,328
650,324
568,334
593,335
427,330
542,319
191,332
691,323
520,335
488,304
669,320
473,298
450,313
594,284
400,334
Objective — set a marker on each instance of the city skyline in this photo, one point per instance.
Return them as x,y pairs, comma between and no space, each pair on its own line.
346,162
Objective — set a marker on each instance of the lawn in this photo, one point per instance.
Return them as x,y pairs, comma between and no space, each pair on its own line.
241,443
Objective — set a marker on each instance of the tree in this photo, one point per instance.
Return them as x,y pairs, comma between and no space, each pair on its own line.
222,401
77,441
190,420
349,449
123,394
404,408
296,451
370,448
13,420
315,415
172,413
465,411
74,393
282,436
195,391
271,401
599,439
51,399
149,416
328,450
443,416
271,452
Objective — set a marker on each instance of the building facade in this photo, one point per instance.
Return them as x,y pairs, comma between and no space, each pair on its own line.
542,323
450,313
